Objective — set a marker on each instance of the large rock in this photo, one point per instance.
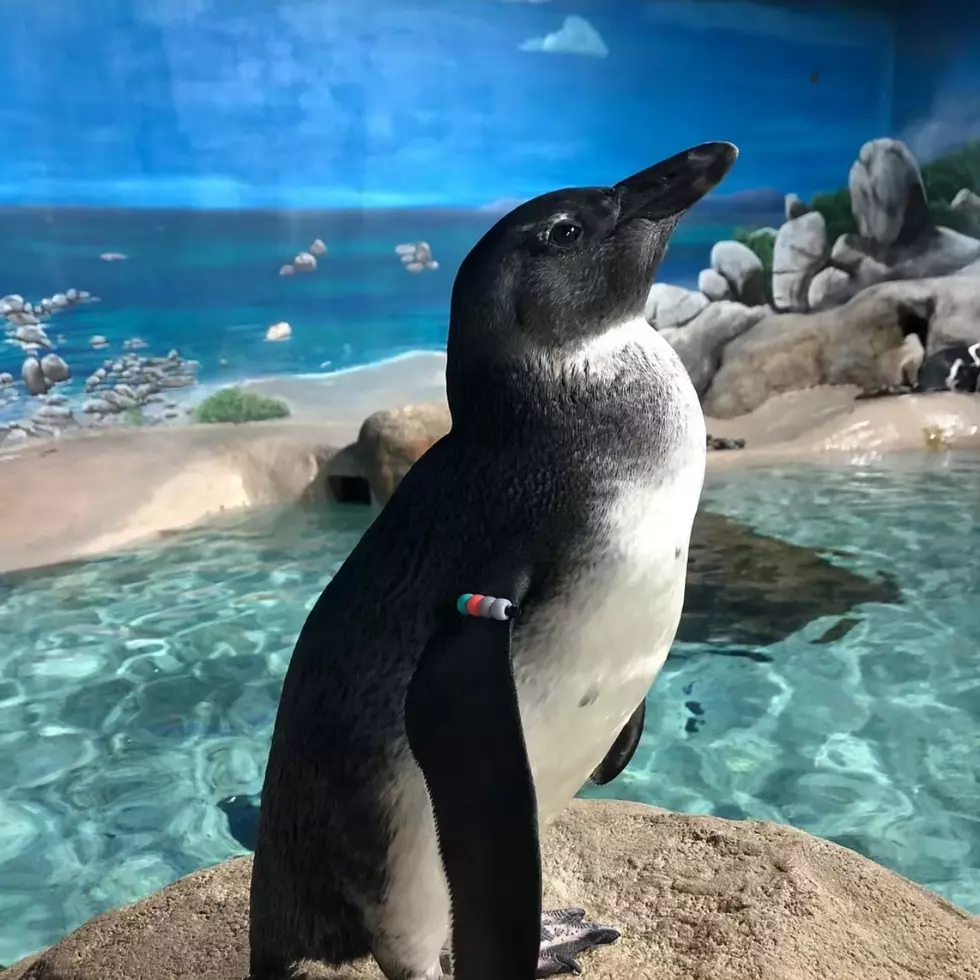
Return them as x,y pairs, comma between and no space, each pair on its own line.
700,344
54,368
672,306
390,442
829,287
798,255
33,377
695,898
854,344
967,203
888,198
742,269
948,305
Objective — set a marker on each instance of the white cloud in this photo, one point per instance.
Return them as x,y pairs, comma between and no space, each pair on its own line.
575,36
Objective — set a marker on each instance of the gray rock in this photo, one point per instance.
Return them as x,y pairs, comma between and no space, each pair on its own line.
33,377
672,306
121,402
968,204
829,287
71,295
23,319
743,269
11,303
795,208
32,335
55,368
888,198
59,301
53,414
98,406
700,344
798,255
6,378
714,285
98,342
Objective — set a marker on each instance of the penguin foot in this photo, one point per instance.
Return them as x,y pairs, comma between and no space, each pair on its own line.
565,934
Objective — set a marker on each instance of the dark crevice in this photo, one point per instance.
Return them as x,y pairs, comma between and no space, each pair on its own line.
349,489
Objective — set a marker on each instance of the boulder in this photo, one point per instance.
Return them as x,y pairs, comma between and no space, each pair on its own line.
854,344
888,198
829,287
798,255
967,203
714,285
54,368
672,306
695,898
743,269
390,442
700,344
33,377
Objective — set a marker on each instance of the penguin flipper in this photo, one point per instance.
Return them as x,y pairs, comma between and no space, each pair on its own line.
464,729
623,749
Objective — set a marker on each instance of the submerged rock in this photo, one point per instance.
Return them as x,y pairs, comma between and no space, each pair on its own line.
55,368
694,896
33,377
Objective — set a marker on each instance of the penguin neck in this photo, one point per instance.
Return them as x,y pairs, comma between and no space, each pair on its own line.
610,387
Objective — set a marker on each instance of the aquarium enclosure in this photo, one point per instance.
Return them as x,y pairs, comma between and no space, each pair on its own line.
229,232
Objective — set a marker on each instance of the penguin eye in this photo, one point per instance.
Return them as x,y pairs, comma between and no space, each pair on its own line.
565,232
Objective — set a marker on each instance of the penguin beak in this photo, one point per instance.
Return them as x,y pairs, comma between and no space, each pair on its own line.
669,188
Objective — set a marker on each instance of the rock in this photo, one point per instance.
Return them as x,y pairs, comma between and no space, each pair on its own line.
390,442
414,266
423,253
948,307
98,342
6,378
714,285
829,287
55,369
798,255
846,254
694,896
53,413
23,319
700,343
11,303
98,406
279,331
60,301
71,295
32,335
855,344
286,270
795,208
743,269
317,247
113,257
33,377
304,262
888,198
672,306
967,203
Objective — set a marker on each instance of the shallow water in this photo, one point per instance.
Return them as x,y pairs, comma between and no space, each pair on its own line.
139,691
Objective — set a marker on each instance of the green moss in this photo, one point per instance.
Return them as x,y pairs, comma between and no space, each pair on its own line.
836,210
235,405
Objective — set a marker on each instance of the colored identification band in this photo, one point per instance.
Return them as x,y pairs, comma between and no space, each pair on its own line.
484,606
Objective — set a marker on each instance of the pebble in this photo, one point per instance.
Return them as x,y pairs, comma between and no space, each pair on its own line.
318,247
98,342
279,331
304,262
286,270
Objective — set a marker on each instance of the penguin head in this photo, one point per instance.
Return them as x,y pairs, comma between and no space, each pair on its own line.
563,268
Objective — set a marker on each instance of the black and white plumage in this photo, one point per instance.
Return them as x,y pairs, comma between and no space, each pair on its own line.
416,751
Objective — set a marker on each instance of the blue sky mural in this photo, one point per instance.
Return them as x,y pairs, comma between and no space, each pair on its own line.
415,103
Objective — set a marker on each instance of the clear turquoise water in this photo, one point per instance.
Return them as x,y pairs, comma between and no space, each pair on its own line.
138,691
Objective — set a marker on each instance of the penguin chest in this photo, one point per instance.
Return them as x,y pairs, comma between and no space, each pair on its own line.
590,654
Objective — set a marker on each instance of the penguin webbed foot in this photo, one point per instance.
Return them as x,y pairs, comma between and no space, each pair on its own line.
565,935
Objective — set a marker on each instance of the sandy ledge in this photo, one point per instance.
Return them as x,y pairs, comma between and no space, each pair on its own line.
102,490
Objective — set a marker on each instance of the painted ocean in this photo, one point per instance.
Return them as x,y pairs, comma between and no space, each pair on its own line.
207,282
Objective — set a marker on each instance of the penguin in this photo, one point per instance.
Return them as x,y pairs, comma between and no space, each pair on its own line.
488,645
955,368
